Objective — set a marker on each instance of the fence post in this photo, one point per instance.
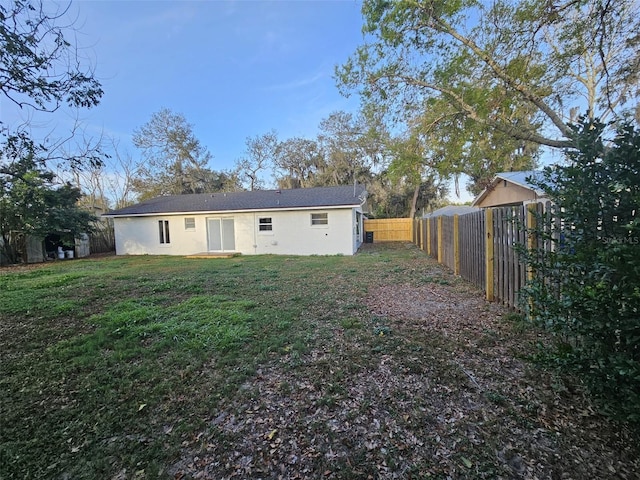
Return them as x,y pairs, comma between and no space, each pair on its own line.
440,241
428,220
488,245
531,235
456,246
413,231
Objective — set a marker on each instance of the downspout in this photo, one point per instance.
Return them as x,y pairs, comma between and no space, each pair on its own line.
255,236
363,200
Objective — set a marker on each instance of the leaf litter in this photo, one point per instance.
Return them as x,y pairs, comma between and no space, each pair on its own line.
437,384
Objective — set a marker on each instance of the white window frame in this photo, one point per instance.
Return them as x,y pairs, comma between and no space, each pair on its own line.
321,220
191,227
164,236
261,224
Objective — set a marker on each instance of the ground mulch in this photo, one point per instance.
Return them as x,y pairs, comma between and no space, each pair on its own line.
428,381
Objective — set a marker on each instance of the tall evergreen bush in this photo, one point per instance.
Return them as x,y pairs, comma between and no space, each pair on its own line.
586,287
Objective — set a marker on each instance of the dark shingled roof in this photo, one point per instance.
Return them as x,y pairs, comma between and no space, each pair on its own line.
255,200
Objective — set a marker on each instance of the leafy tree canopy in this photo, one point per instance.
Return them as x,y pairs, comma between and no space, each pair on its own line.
353,147
348,148
259,158
522,68
40,71
39,67
32,203
298,162
173,160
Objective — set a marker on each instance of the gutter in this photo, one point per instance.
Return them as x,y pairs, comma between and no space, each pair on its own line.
228,212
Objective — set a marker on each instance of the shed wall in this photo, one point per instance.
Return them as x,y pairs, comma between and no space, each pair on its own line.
507,195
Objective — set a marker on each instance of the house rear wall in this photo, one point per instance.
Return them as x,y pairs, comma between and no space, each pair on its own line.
292,234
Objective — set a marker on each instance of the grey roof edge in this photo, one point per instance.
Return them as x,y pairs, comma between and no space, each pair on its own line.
519,178
216,212
251,201
450,210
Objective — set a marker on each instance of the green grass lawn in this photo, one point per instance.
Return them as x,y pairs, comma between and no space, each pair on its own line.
280,367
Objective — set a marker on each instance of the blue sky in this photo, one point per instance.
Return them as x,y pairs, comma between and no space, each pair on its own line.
234,69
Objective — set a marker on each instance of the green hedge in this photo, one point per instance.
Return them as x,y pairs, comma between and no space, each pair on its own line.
586,291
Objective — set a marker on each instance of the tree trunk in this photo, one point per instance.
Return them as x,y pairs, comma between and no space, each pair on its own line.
414,201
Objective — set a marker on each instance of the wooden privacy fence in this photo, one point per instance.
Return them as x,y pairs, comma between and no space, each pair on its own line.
390,229
102,239
482,247
472,249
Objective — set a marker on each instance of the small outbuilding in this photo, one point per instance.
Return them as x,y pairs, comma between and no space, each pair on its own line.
305,221
510,188
34,249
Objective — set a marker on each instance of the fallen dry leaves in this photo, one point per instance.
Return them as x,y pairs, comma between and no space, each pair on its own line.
435,384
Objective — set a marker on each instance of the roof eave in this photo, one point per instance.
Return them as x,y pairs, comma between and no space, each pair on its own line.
483,194
226,212
508,178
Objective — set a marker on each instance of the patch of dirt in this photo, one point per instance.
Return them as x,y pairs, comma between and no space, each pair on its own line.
26,267
434,385
22,267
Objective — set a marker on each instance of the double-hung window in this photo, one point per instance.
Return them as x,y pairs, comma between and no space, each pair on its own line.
163,230
319,219
265,224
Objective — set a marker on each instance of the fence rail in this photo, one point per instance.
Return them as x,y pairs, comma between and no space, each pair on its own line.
103,239
390,229
482,247
509,270
472,249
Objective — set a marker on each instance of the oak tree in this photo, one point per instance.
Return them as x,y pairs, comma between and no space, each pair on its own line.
258,160
493,61
174,162
40,71
298,162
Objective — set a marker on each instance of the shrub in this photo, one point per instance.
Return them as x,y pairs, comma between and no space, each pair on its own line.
586,290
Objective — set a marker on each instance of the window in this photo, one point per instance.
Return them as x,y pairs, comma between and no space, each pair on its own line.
163,228
190,223
319,219
265,224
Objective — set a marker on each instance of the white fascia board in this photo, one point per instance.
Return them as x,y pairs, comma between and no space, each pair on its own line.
481,196
528,186
228,212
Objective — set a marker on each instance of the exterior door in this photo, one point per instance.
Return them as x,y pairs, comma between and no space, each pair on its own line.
222,235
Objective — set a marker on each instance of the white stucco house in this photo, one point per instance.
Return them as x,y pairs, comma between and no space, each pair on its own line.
310,221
